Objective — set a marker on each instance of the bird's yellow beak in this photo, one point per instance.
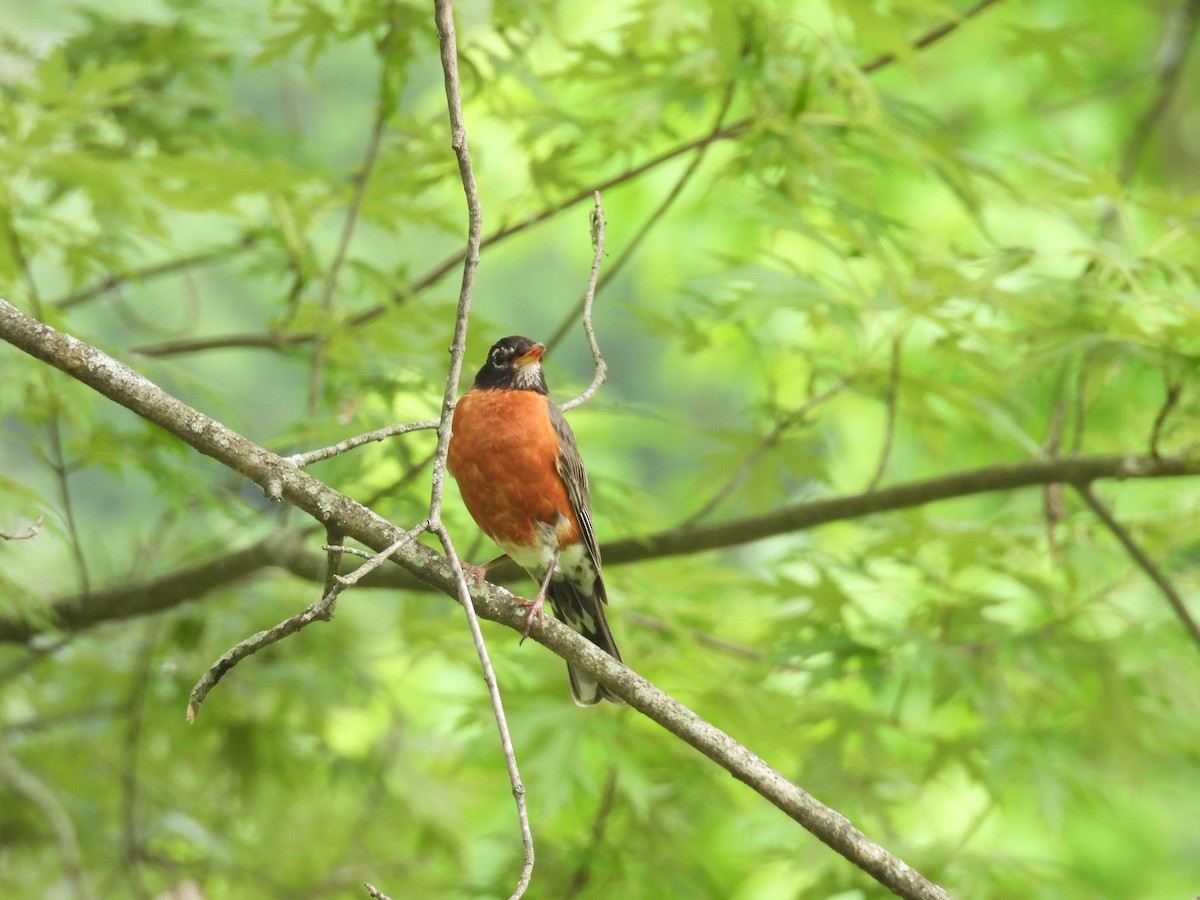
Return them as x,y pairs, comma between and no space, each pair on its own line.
533,355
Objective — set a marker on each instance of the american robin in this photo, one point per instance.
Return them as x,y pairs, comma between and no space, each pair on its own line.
522,479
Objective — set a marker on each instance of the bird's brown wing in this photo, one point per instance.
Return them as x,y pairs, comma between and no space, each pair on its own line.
570,469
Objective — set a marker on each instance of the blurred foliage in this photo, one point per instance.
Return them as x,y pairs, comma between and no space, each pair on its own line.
992,231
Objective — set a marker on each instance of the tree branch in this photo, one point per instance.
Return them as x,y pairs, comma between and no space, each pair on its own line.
288,551
282,481
1139,556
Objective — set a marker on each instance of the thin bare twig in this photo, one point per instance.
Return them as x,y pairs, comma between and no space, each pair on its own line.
587,855
134,712
383,110
57,454
24,783
339,583
1121,533
743,471
322,610
653,219
300,460
168,267
1174,392
588,296
27,535
893,396
448,45
930,37
1172,53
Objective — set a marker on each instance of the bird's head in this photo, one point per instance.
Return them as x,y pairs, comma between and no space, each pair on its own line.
513,363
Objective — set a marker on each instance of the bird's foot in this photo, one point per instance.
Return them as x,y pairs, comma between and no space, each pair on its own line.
475,575
537,610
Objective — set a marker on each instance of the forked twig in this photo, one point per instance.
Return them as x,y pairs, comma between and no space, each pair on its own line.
300,460
589,296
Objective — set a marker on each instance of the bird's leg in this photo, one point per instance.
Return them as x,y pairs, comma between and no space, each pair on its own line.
537,606
478,574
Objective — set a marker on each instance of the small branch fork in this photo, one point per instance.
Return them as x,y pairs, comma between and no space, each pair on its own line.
589,296
27,535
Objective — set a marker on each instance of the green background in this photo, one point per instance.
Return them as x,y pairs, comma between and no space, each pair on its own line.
980,253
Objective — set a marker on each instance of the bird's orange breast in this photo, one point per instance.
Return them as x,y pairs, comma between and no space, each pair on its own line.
504,455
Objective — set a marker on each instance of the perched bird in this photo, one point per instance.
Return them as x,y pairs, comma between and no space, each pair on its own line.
522,479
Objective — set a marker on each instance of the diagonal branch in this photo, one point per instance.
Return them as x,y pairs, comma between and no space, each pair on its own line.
156,270
284,482
931,37
1139,556
1172,54
22,782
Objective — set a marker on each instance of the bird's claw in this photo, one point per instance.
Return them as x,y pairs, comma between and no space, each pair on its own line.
475,575
537,610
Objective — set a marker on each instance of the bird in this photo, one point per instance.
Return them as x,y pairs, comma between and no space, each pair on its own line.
522,479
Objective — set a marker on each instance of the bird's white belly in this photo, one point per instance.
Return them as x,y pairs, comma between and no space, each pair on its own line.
573,561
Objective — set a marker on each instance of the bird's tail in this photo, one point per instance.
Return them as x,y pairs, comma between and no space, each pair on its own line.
585,614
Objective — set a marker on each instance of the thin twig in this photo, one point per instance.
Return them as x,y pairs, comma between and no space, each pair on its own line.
28,534
750,462
587,855
653,219
1121,533
1174,392
383,110
57,454
1172,53
588,296
930,37
24,783
339,583
300,460
134,712
168,267
893,395
322,610
444,16
318,611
